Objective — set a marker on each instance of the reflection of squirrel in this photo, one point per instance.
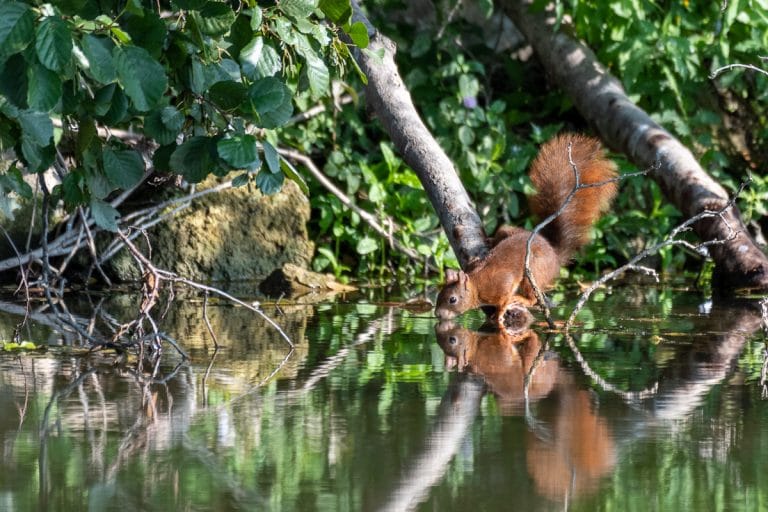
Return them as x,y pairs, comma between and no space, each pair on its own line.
569,446
498,280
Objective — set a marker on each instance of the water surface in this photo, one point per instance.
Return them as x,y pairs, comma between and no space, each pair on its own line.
654,404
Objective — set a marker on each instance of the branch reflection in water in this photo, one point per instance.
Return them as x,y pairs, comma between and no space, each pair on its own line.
570,447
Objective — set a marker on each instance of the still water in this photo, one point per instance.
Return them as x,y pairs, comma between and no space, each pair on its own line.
656,403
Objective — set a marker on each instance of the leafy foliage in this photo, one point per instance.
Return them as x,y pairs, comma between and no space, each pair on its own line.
208,81
216,86
490,111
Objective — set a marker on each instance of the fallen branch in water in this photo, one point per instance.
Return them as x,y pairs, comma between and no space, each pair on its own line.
671,239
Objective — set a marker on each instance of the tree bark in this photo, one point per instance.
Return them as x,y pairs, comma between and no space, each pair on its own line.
388,97
600,98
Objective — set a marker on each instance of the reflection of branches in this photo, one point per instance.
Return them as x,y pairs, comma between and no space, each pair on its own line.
204,382
63,393
382,326
629,396
23,408
154,277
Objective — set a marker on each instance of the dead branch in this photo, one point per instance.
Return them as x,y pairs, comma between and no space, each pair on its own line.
670,239
729,67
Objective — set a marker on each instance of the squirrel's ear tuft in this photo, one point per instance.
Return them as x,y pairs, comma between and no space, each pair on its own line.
463,278
451,276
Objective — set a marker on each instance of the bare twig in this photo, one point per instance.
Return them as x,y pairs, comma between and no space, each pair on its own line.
208,322
671,239
729,67
24,284
165,275
346,201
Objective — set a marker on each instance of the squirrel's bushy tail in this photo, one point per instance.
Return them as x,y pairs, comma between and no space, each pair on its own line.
553,176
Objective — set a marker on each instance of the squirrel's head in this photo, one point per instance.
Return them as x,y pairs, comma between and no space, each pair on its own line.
456,296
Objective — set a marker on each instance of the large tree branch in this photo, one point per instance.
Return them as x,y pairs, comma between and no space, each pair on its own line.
388,97
624,126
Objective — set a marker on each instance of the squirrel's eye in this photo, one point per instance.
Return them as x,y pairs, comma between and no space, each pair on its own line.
453,299
452,340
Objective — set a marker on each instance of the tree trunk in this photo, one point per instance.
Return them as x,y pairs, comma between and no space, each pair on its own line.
600,98
388,97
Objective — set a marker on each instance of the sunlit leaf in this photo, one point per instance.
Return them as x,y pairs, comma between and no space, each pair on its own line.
259,60
338,11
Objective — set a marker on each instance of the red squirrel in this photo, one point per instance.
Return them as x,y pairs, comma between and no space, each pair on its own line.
498,281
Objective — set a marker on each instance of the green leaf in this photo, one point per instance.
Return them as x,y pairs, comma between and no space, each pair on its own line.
271,157
142,77
366,245
290,171
338,11
147,31
272,100
318,75
16,28
14,181
194,159
270,183
124,168
36,127
214,19
98,51
13,80
98,185
43,87
110,104
104,214
298,8
240,152
191,4
163,132
241,180
10,346
228,95
53,43
259,60
37,157
256,18
358,34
